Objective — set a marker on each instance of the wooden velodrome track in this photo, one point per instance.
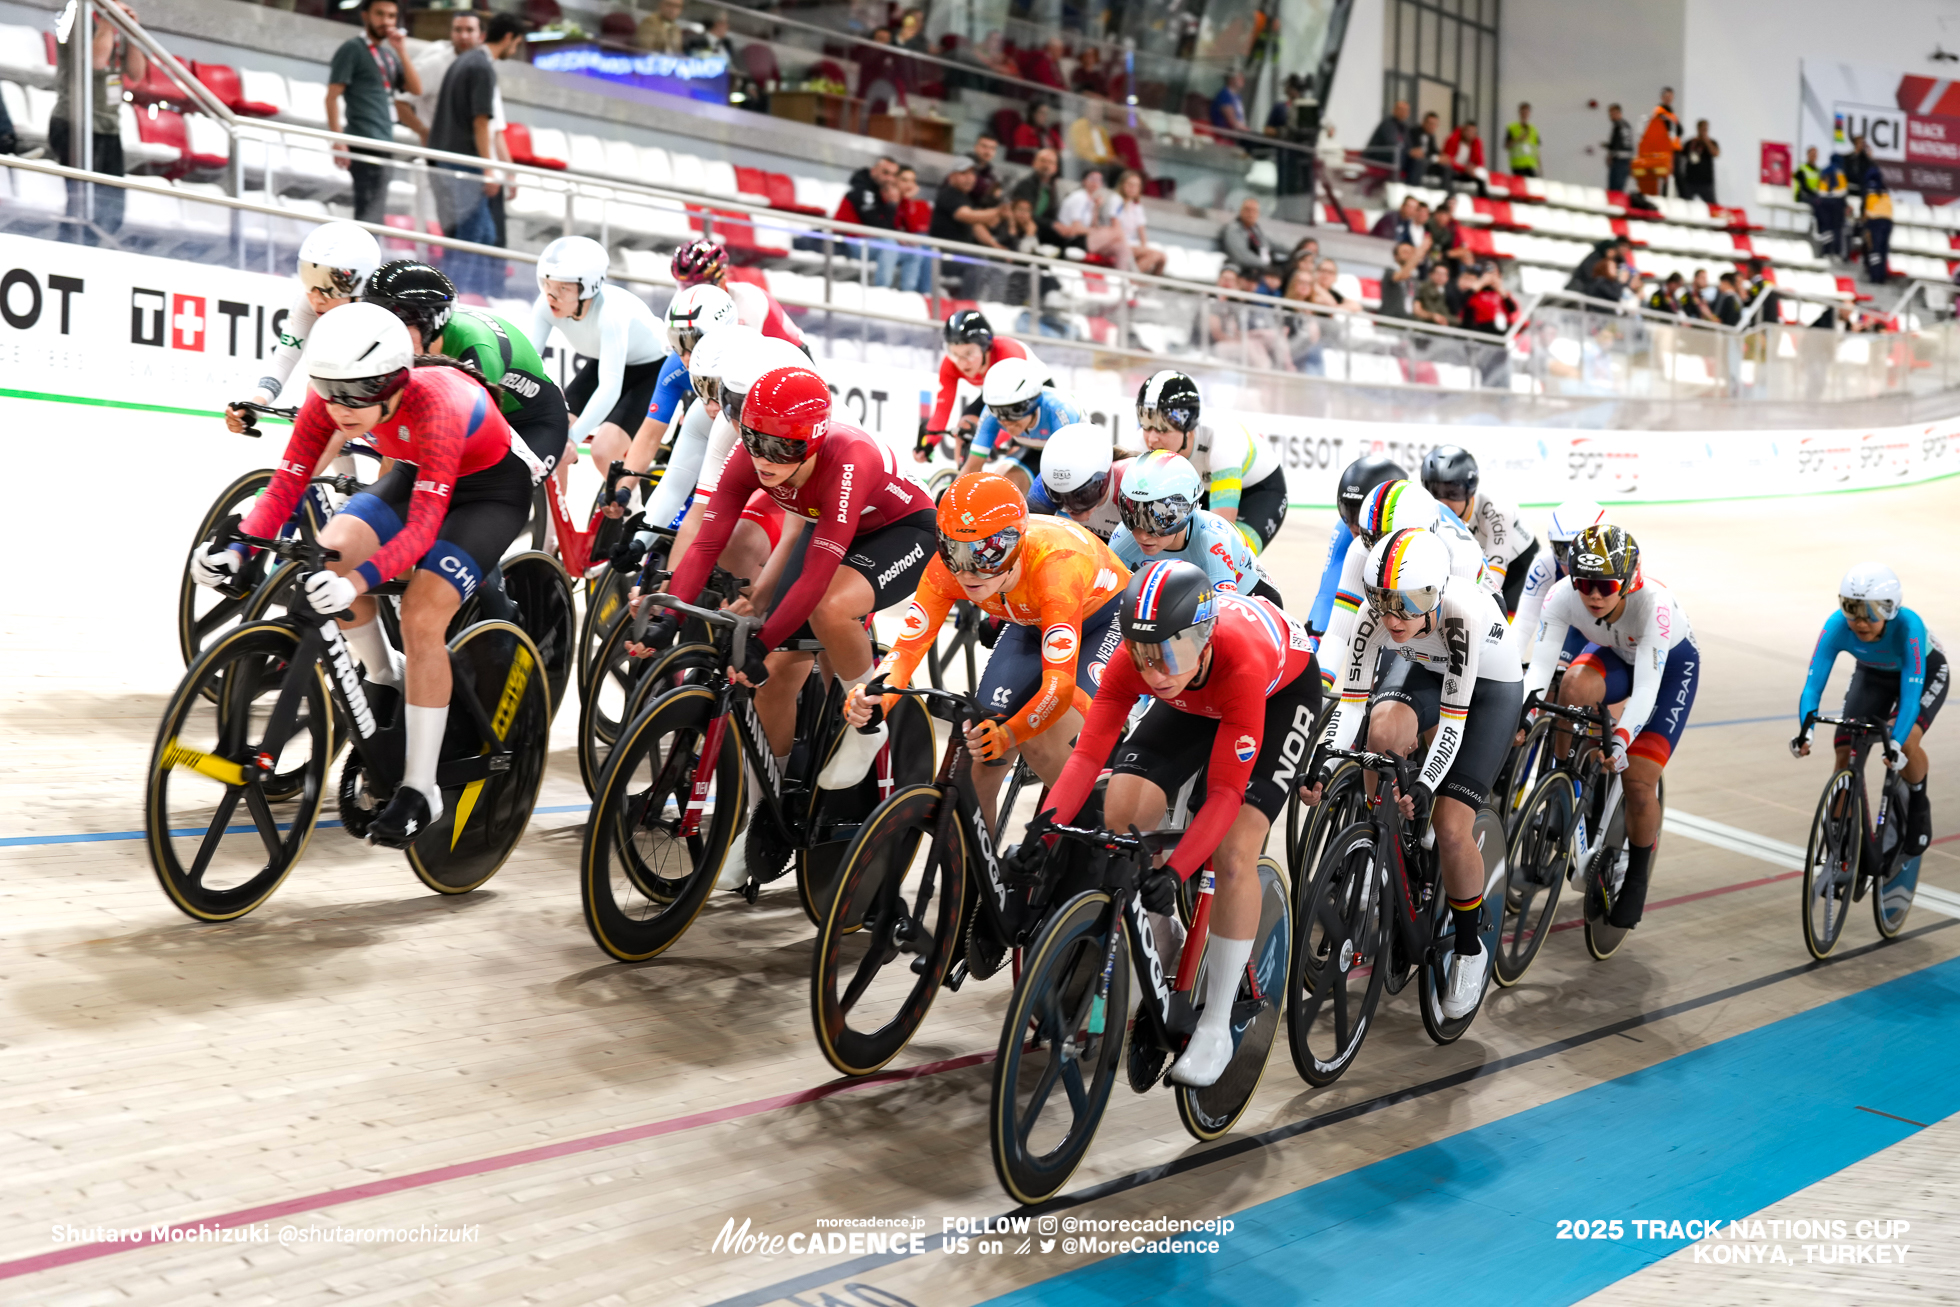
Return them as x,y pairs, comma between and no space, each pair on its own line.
361,1057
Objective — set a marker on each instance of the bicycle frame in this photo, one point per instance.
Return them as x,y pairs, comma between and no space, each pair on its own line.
1413,895
1865,735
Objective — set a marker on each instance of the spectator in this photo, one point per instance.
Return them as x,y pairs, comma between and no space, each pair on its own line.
1803,183
1762,290
1261,280
1698,165
1245,245
1080,221
1433,297
1653,166
911,32
1728,300
1521,144
1303,329
110,58
1463,155
1399,283
465,109
1407,223
913,270
717,41
1324,293
1878,229
1227,109
1489,307
1619,149
1038,189
1698,301
1858,166
1037,133
1446,239
1596,276
1666,296
1088,142
1385,150
1044,66
1306,252
1279,119
992,55
418,111
955,217
1125,209
1420,164
986,184
367,71
870,196
1087,79
1240,333
1829,206
662,31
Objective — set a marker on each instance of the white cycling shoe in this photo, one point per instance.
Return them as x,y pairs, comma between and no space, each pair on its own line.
735,867
1466,984
851,759
1205,1057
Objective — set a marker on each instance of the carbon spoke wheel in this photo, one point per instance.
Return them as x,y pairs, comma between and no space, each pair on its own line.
1442,961
204,614
1541,855
618,686
1213,1110
1832,861
833,817
1337,971
605,606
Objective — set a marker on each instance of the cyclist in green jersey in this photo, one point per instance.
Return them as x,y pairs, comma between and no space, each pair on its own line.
425,300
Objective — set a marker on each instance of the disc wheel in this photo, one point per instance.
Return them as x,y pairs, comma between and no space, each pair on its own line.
1831,863
1059,1051
536,582
211,868
1488,830
483,818
889,933
1210,1111
643,882
834,816
1541,855
1337,969
204,613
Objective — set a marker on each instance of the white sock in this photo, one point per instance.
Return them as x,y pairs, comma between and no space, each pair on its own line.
1225,961
371,647
425,728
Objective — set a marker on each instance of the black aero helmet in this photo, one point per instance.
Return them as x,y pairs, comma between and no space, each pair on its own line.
1363,475
1168,400
1167,614
1604,553
1448,472
421,296
970,327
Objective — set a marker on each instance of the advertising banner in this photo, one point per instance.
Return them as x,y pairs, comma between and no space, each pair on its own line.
1910,122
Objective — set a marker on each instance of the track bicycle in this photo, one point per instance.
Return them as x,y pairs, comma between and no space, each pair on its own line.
262,713
1853,850
673,791
1063,1036
1375,915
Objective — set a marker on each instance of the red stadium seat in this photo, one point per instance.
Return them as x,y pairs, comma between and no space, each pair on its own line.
781,189
165,128
751,181
518,138
222,79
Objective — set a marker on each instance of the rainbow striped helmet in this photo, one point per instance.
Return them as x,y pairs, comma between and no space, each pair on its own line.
1406,573
1395,506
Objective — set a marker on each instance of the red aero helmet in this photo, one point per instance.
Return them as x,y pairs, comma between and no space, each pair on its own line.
699,261
786,415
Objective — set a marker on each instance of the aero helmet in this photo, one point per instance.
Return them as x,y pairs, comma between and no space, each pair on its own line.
1361,476
1075,467
1168,614
1870,592
982,518
421,296
359,356
786,416
1159,494
337,258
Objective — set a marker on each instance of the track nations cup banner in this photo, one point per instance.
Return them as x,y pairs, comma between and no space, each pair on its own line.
1910,122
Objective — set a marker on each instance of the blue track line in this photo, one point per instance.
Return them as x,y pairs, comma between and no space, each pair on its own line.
96,837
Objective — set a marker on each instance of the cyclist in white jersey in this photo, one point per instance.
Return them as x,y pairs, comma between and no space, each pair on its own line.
335,261
1450,474
621,339
1244,483
1567,521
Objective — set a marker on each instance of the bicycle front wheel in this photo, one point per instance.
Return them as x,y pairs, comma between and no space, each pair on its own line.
1541,854
1488,831
1337,970
537,584
1050,1089
605,605
1831,862
1209,1112
618,687
202,613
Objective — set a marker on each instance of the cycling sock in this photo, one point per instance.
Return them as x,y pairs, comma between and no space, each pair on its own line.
371,647
424,749
1639,859
1225,961
1468,916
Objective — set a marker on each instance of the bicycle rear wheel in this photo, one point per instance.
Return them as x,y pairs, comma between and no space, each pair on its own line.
1541,854
642,882
537,584
1832,861
897,897
605,605
1335,979
215,723
203,613
1489,833
1039,1136
1214,1109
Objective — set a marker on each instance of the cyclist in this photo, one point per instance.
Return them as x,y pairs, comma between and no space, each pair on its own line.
1057,589
705,262
1450,474
1900,674
1639,654
971,349
335,261
1081,472
1158,502
425,301
1567,521
456,496
622,342
693,311
1023,411
1453,680
1244,483
1233,689
1357,479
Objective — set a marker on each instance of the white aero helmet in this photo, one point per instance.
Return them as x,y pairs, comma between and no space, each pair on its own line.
575,258
693,311
1396,506
1870,592
1075,466
1012,388
1568,520
359,356
1406,573
741,369
713,352
337,258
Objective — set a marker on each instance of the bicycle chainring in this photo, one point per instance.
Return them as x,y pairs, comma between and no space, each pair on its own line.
769,854
358,803
984,953
1145,1060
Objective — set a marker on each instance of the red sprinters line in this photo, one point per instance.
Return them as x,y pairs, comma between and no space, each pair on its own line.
1576,922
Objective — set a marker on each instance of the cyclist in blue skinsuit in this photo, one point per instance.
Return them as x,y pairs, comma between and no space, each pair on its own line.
1361,476
1158,501
1022,413
1901,669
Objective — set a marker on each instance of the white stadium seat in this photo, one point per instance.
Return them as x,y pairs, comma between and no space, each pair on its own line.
656,166
688,172
24,54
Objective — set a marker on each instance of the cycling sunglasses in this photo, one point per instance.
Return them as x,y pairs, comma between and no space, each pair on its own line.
335,283
989,556
772,449
360,392
707,389
1167,420
1599,586
1084,498
1154,517
1177,655
1404,603
731,403
1014,412
1864,610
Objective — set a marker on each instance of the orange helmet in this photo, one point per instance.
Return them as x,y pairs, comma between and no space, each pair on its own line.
786,415
982,518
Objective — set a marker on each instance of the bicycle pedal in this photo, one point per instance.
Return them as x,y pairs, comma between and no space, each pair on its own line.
955,976
750,890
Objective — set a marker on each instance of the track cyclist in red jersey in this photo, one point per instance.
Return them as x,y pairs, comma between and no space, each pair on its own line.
454,500
705,263
1234,690
971,348
1057,588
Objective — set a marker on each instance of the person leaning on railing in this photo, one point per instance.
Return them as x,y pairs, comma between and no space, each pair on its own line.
112,62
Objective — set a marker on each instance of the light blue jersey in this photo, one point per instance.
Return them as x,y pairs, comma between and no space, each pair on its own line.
1901,647
1209,541
1053,411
